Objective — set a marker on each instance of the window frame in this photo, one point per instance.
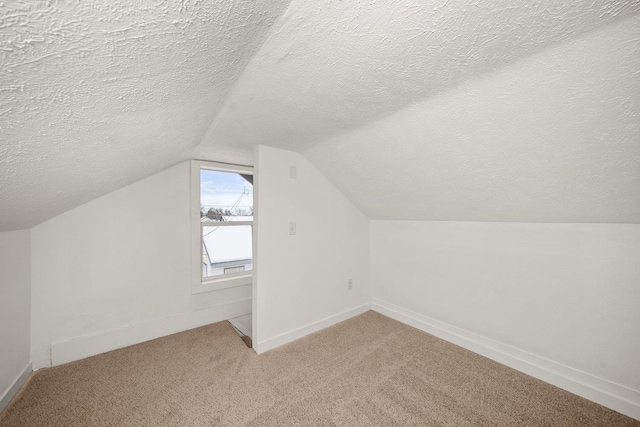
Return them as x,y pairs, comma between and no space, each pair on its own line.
200,284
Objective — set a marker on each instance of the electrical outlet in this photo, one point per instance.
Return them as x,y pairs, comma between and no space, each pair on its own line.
349,284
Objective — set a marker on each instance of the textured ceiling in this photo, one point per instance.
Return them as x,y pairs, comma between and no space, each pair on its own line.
96,94
552,138
331,66
454,110
457,110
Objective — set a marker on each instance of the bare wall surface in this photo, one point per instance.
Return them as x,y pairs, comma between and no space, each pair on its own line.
117,271
565,292
15,309
302,279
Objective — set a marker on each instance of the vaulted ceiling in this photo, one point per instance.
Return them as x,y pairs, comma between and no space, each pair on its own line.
426,110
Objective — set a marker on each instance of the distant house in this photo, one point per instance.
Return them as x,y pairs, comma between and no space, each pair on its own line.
226,249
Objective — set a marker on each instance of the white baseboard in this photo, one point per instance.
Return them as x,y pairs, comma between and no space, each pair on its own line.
11,391
79,348
287,337
243,324
612,395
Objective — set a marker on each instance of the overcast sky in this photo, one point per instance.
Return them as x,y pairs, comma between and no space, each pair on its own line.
224,189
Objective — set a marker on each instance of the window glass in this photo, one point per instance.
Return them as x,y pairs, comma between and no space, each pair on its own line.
226,250
225,196
226,205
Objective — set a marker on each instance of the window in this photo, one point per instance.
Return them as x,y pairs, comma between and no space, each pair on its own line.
222,209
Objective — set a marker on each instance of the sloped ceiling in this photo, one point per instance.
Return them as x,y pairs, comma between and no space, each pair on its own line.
552,138
439,110
97,94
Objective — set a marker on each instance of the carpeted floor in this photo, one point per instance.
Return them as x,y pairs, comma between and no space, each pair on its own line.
369,370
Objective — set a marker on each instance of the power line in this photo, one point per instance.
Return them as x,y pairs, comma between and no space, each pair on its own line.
227,206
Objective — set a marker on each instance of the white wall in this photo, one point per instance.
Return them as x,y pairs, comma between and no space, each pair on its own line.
301,280
117,271
15,309
562,296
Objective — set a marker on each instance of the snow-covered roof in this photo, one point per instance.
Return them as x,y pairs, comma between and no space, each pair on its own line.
227,243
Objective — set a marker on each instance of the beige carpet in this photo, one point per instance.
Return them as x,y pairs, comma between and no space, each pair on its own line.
369,370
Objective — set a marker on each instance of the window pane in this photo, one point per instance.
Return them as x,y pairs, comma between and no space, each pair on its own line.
226,249
225,196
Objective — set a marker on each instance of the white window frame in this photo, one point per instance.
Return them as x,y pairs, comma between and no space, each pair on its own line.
198,283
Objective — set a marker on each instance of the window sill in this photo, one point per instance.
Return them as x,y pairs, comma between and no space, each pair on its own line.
222,283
